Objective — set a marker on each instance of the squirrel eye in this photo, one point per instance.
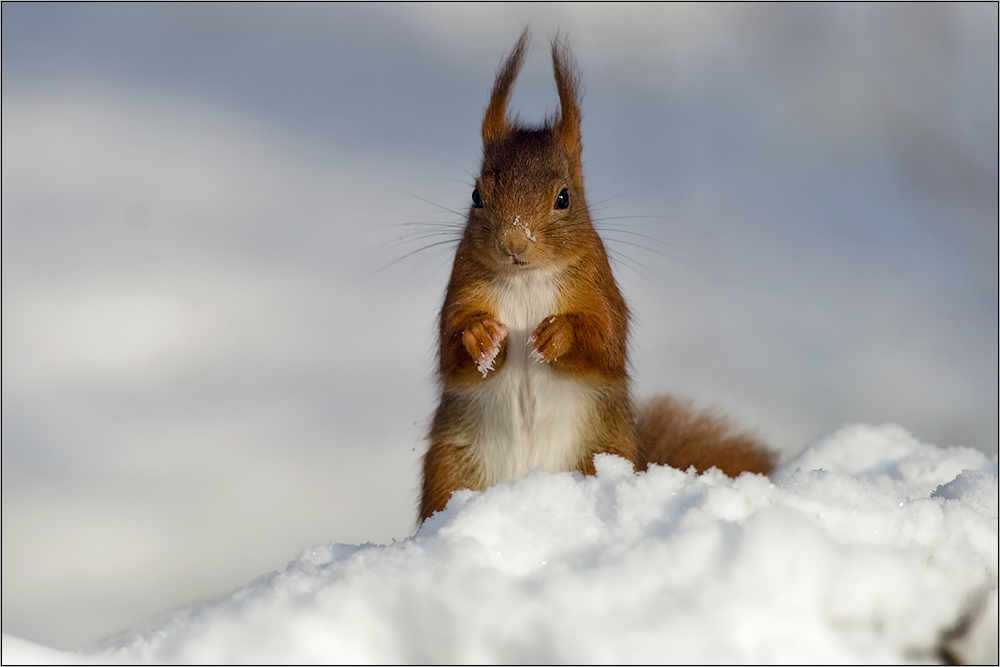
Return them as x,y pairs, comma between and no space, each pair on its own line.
477,201
562,201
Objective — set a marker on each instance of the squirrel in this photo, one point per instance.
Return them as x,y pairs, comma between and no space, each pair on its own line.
533,356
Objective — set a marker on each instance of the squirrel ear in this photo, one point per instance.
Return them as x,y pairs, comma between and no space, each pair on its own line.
567,125
495,123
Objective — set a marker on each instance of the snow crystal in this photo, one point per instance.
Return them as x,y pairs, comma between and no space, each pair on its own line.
527,231
868,547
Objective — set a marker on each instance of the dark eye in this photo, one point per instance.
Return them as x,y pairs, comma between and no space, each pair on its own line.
562,201
477,201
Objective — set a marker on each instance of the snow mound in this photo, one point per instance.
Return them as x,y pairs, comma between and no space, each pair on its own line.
868,547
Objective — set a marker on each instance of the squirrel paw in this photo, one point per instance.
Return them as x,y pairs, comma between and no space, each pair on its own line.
552,339
482,341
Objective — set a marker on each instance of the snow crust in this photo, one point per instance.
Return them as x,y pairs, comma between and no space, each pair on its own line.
868,547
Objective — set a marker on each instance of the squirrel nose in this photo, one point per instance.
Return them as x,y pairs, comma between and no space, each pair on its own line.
513,242
513,247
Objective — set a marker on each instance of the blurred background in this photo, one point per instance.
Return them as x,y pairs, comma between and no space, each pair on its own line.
218,347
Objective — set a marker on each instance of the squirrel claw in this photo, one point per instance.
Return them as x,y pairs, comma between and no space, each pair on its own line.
482,341
485,363
552,339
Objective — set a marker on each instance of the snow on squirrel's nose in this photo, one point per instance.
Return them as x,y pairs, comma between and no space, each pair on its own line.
513,240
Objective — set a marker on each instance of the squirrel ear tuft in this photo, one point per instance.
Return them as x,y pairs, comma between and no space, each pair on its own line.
567,125
495,124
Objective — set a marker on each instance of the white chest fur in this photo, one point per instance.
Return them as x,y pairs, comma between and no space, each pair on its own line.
529,416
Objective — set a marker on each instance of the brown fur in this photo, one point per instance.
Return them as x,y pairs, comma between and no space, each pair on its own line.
672,433
520,228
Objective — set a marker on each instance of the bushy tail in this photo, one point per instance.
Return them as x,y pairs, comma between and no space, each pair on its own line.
672,432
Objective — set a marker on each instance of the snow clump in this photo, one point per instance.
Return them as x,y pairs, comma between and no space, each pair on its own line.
868,547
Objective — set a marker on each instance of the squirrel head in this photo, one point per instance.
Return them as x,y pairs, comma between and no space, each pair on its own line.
528,206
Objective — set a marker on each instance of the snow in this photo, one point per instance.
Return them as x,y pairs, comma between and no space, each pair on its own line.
868,547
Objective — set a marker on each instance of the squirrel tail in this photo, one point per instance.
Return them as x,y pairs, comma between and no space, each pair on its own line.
672,432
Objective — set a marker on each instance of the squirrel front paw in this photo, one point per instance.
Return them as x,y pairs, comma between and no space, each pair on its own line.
482,341
552,339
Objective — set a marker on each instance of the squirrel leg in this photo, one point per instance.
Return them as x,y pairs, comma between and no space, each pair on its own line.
482,341
552,339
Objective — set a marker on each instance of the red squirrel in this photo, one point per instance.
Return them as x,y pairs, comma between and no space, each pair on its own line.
532,363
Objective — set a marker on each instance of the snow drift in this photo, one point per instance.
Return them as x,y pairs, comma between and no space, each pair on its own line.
868,547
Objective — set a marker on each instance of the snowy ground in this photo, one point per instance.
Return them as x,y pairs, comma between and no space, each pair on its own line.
868,547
